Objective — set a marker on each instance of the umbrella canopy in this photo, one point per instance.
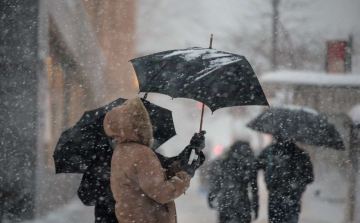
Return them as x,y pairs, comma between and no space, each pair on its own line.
216,78
300,124
80,145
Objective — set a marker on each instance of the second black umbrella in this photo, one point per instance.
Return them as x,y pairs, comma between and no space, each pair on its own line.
300,124
79,146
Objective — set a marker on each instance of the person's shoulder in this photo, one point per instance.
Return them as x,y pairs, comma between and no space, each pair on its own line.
302,152
144,151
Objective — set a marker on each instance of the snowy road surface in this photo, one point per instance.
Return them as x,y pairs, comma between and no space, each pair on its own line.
193,207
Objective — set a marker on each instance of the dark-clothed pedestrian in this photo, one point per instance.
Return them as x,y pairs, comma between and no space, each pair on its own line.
287,170
95,188
230,182
143,192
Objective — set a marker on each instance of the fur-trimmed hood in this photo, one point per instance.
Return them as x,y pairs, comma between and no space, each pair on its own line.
129,122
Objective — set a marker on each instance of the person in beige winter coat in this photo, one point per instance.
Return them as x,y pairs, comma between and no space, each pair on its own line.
142,190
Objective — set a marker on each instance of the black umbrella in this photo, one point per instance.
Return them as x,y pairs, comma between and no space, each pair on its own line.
300,124
79,146
216,78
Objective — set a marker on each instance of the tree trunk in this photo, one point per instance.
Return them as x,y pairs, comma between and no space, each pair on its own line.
275,29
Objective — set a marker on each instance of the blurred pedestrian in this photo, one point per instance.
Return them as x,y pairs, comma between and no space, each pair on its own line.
94,189
288,170
142,190
230,182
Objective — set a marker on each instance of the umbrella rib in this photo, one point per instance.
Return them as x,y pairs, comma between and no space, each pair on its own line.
162,68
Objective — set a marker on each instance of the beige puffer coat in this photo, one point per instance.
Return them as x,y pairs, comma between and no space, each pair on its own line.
138,183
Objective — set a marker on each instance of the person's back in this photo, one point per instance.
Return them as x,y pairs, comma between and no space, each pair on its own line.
287,170
235,176
286,166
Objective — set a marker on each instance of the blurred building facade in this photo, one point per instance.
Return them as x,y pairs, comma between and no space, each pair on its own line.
58,58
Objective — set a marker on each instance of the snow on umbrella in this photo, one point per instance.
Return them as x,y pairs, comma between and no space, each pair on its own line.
216,78
300,124
79,146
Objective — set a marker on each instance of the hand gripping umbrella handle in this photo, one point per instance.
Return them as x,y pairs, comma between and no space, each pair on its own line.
193,157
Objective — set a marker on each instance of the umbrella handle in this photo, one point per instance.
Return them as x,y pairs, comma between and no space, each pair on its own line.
202,116
145,96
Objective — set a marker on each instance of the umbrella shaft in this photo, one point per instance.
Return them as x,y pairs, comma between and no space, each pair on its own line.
202,115
203,105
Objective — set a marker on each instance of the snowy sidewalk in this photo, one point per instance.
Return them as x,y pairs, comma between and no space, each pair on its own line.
75,212
192,207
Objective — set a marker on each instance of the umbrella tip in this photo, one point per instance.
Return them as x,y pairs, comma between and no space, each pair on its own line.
211,40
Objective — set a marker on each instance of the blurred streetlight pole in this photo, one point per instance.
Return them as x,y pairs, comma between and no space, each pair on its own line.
275,28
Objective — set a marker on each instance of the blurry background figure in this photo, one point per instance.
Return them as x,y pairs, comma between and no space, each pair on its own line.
229,182
288,170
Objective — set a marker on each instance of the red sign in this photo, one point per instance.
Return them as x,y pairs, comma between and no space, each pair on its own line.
336,56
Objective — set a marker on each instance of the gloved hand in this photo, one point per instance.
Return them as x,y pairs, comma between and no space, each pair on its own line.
188,168
198,141
186,152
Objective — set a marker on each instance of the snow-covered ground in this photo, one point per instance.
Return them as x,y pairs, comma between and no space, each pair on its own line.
192,207
75,212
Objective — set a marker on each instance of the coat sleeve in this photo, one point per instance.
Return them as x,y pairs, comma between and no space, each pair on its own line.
307,169
151,179
166,162
171,165
174,168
